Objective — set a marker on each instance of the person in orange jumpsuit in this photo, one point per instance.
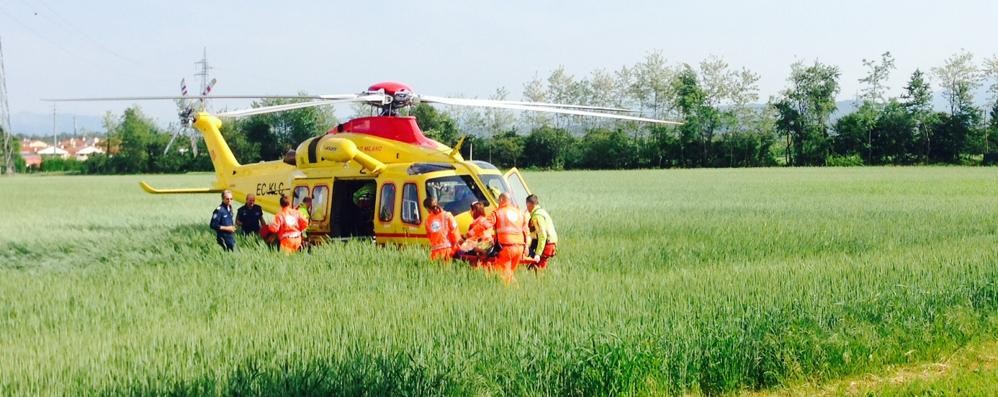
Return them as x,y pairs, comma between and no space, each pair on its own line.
288,225
479,239
511,233
441,230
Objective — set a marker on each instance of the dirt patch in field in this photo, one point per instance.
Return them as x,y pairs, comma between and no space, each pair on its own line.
980,358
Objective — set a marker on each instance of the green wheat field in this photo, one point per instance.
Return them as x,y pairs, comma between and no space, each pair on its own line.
666,282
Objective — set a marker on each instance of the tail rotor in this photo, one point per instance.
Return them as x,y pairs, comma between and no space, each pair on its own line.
186,114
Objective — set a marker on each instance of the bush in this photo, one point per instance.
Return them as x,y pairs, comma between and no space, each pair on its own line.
57,164
852,160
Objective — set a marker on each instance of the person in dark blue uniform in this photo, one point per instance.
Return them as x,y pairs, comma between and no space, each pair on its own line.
249,217
223,224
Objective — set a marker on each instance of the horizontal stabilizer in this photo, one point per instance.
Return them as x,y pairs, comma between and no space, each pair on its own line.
150,189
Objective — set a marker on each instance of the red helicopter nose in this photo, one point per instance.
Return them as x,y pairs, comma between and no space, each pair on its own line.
390,87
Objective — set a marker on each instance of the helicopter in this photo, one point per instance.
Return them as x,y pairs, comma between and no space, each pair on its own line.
386,154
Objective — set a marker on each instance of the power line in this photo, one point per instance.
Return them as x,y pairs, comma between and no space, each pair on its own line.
203,73
35,33
8,147
84,34
71,53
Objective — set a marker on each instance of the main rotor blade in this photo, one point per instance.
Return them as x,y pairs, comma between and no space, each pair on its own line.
546,109
159,98
553,105
300,105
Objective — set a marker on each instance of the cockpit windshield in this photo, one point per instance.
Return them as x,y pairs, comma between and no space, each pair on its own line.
455,193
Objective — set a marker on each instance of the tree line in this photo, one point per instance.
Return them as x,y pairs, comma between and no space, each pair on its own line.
724,122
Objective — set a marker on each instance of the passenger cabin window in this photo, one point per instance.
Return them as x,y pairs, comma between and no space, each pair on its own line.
387,210
320,195
454,193
300,193
410,204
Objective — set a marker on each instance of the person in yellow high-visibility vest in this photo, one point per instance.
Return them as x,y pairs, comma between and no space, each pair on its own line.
544,238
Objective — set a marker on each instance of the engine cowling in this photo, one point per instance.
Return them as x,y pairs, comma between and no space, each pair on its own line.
331,149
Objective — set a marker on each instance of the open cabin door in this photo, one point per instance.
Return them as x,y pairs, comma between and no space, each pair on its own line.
518,187
353,208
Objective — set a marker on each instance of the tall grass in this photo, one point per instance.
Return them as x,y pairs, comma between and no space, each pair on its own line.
666,282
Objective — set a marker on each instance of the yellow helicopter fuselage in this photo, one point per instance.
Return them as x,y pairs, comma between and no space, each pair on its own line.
386,156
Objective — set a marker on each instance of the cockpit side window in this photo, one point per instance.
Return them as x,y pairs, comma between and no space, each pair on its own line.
519,190
495,183
455,193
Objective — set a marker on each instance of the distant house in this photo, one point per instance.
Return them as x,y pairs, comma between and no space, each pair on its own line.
33,146
53,152
85,153
32,160
34,150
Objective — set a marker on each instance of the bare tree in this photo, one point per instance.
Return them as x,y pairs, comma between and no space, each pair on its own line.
958,78
535,91
876,78
499,120
652,85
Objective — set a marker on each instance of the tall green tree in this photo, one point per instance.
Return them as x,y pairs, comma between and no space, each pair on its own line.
803,112
7,150
276,133
893,138
959,78
547,147
700,119
505,149
917,99
243,148
13,162
950,134
991,132
435,124
137,135
991,137
854,133
607,149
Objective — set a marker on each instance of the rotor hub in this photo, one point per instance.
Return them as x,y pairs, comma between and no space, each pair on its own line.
400,95
390,87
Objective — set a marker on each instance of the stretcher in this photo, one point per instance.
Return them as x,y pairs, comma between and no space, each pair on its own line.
476,259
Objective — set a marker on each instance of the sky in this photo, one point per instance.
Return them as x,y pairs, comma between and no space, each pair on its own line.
55,48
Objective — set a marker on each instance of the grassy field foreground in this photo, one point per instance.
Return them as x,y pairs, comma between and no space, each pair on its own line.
703,281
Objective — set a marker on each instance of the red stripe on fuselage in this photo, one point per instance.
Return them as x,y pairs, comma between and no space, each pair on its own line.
400,235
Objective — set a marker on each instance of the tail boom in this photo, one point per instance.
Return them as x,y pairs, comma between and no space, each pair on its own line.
221,156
